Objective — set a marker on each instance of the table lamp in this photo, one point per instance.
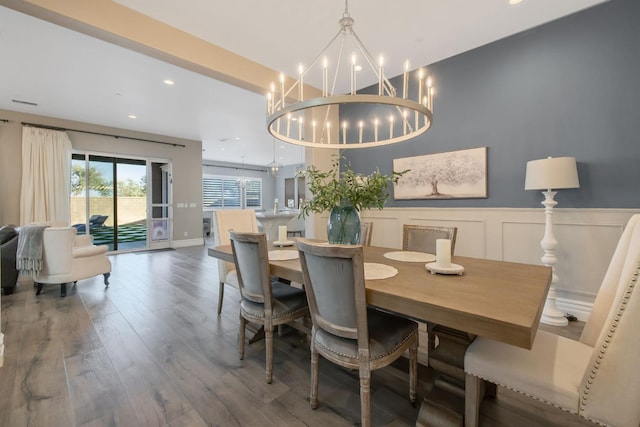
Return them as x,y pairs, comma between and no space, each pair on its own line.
552,173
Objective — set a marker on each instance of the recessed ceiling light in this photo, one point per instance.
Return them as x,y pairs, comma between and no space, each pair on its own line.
169,82
236,138
514,1
132,116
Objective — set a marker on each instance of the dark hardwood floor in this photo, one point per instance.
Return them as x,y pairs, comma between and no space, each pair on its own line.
151,351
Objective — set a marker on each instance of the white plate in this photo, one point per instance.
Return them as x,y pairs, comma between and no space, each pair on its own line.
410,256
283,255
373,270
285,243
451,269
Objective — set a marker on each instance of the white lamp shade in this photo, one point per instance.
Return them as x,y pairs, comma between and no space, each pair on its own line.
552,173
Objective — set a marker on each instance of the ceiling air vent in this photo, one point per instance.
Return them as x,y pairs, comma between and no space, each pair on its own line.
17,101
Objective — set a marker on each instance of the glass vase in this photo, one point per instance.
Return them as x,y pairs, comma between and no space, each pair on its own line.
344,225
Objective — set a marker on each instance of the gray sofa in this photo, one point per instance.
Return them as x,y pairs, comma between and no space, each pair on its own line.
8,248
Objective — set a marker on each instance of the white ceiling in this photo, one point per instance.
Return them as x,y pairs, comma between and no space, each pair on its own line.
76,77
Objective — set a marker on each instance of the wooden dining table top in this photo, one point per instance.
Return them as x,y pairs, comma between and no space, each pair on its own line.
494,299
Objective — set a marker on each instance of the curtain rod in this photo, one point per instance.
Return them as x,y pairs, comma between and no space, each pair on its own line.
101,134
233,167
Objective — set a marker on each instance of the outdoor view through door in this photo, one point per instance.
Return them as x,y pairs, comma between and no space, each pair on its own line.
109,200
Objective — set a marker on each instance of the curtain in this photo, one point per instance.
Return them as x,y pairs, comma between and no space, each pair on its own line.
46,176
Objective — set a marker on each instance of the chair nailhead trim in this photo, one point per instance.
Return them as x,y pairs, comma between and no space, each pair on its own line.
594,371
379,357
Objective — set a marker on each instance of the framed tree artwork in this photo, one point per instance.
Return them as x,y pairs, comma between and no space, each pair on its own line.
452,175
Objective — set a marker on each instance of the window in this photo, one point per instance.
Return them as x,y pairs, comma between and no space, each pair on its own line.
228,192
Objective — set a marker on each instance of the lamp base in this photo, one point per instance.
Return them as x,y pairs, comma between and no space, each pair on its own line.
552,316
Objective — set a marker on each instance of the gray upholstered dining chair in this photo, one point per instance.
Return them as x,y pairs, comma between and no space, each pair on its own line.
345,331
596,377
366,231
264,302
422,238
223,221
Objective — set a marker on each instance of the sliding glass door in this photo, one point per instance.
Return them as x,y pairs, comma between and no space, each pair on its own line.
110,200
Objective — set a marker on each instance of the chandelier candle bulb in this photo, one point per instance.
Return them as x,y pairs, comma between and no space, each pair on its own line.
443,252
325,77
300,128
375,130
360,125
381,77
405,81
281,90
328,132
288,124
390,127
282,233
301,83
404,122
344,132
353,75
313,125
420,84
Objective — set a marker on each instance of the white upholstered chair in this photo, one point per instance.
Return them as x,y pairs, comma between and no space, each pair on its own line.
366,232
68,257
345,331
596,377
243,220
265,302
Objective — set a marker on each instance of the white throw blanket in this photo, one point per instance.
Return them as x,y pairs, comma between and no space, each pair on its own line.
29,253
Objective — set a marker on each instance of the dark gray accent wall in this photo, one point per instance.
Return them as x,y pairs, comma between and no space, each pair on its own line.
567,88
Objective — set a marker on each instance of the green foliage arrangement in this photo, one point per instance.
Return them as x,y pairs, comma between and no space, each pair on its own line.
333,188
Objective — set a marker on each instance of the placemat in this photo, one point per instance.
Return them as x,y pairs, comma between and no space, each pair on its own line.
410,256
283,255
373,270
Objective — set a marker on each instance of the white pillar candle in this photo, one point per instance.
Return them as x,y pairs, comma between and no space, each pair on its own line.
443,252
282,233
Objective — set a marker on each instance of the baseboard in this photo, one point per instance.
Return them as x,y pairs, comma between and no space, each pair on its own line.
187,243
580,309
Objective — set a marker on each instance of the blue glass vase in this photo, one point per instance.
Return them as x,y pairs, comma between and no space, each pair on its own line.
344,225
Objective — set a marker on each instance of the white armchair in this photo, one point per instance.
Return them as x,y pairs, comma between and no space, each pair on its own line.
242,220
597,377
67,257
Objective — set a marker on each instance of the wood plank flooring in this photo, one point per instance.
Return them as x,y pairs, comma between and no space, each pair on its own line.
151,351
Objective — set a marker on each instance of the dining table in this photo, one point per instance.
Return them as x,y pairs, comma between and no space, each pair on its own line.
495,299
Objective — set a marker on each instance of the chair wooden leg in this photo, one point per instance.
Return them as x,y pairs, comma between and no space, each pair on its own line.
220,296
413,371
365,397
106,279
268,339
39,287
472,398
241,333
313,398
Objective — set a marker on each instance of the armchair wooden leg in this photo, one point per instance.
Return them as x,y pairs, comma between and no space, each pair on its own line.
106,279
220,296
63,290
39,287
241,334
365,398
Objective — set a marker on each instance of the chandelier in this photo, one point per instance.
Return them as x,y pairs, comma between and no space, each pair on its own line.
274,167
380,118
